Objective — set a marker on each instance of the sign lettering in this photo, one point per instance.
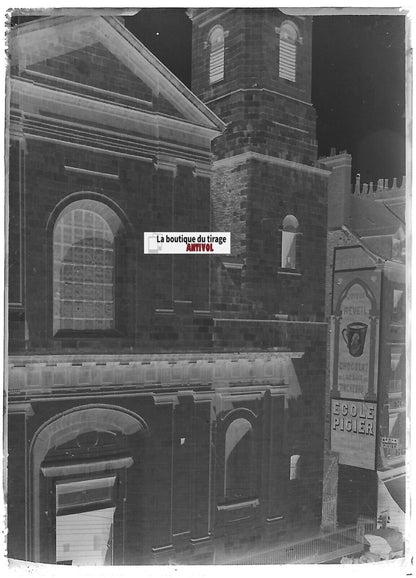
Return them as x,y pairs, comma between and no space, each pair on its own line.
353,432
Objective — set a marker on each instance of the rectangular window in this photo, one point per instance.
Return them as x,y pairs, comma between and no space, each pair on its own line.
288,250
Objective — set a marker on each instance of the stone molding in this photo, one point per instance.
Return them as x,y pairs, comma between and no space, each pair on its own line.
43,375
250,155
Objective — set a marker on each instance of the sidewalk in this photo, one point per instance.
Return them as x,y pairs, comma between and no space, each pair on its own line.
318,548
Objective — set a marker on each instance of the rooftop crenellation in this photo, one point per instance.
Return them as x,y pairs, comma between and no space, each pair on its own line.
382,189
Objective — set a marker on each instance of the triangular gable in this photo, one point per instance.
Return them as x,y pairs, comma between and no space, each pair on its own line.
352,258
95,72
51,38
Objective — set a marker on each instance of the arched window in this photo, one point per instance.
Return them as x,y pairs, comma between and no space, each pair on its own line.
240,467
216,54
287,51
289,232
84,267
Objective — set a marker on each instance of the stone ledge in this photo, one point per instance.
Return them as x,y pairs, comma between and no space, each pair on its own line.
45,374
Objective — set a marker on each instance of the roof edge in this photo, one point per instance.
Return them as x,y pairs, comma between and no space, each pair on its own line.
370,253
166,73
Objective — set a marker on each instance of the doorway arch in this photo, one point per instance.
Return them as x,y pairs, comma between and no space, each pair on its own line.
77,446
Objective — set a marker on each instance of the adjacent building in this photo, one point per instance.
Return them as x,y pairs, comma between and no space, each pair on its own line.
366,304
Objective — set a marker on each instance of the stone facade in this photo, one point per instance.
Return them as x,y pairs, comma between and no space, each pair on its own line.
196,415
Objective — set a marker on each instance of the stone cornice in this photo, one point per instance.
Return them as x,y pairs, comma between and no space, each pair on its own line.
250,155
150,146
252,89
93,110
39,376
146,358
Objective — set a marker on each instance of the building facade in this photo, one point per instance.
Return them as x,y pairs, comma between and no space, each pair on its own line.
163,409
366,303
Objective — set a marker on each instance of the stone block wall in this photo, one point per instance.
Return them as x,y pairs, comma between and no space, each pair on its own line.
265,122
264,113
251,51
145,197
251,197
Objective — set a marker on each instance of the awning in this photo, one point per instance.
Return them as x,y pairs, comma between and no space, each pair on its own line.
384,541
397,489
392,497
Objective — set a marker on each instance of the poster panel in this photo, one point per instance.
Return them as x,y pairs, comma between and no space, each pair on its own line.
353,432
355,335
354,345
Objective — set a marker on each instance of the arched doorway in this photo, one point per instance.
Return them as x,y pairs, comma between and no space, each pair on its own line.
83,462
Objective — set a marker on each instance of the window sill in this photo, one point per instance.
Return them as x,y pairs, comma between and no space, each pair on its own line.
293,272
275,519
237,505
216,82
86,334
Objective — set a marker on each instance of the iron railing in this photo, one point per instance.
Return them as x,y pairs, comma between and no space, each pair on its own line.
324,547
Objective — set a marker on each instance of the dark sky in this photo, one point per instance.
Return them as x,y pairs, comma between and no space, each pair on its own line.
358,81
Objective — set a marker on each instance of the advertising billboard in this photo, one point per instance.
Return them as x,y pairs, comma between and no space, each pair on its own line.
353,432
355,334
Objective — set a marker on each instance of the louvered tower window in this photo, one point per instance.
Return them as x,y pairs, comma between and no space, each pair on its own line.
216,55
287,51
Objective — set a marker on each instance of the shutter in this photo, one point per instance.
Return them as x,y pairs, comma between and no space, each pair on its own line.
216,64
287,60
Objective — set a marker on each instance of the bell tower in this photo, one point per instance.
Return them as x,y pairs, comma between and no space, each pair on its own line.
253,68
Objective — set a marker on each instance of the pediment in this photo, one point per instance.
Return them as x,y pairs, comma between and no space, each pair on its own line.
97,57
92,71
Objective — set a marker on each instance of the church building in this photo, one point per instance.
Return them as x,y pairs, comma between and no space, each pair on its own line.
163,409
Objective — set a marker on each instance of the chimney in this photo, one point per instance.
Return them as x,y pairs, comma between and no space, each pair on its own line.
339,188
